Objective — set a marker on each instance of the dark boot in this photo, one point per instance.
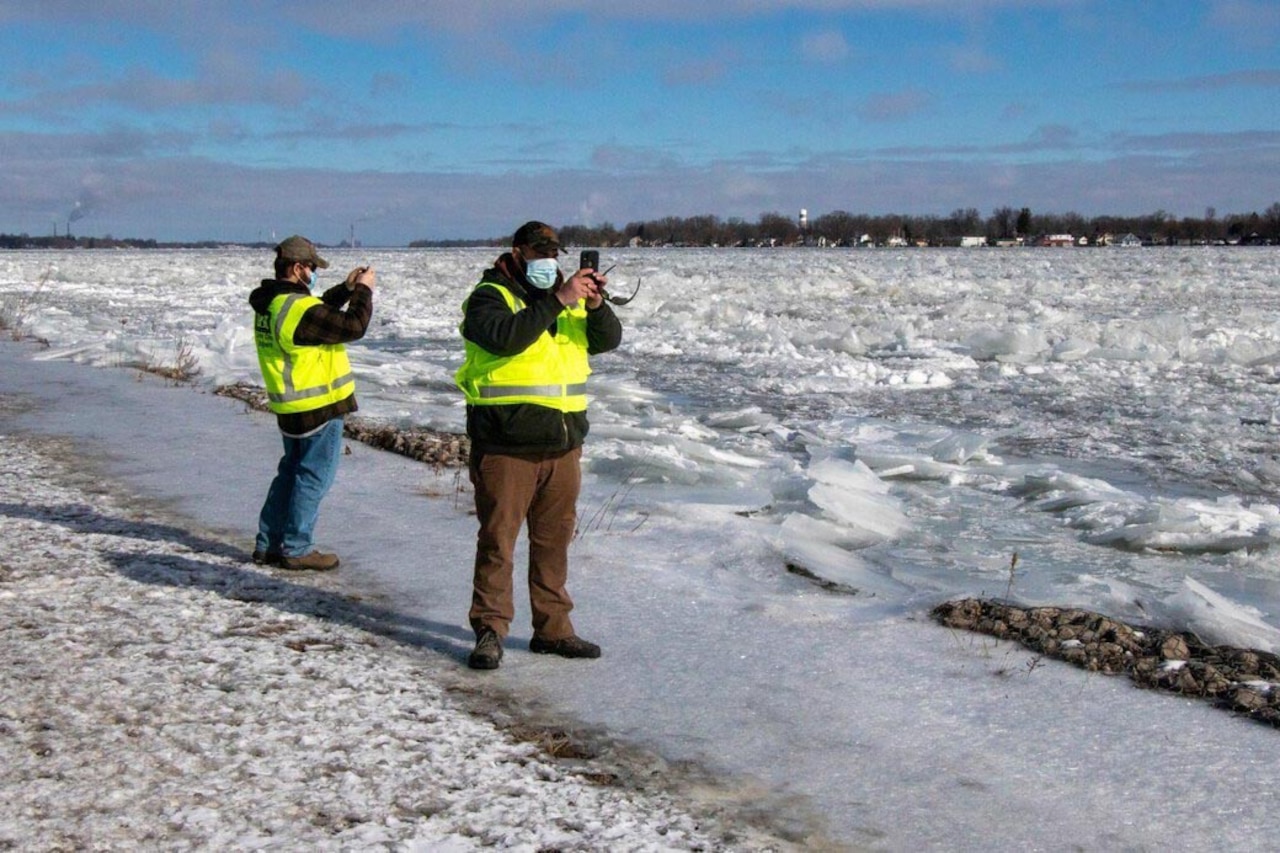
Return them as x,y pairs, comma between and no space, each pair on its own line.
569,647
488,651
267,558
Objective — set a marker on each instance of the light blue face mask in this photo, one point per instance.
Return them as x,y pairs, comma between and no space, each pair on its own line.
542,272
315,277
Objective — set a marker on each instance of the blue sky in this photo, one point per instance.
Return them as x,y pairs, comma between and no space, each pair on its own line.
446,118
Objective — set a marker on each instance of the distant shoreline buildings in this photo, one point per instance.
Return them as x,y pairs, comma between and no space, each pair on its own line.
963,228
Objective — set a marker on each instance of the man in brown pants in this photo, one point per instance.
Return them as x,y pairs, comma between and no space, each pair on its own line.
528,332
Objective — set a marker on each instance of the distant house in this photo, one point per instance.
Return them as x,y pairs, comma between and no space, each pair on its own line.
1129,241
1057,240
972,242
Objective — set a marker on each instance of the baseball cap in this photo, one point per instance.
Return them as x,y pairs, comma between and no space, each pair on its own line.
539,235
300,250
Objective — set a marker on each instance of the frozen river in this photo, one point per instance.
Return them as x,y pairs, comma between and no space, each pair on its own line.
896,423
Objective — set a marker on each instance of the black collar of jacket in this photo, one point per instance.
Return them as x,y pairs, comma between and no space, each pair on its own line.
270,288
284,286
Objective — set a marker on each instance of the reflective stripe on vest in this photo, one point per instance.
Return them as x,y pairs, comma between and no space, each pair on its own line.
533,390
551,372
308,393
300,378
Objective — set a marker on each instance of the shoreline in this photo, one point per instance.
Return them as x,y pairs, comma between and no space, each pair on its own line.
1239,680
204,446
151,672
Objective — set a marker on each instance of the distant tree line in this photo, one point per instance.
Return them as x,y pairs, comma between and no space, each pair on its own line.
841,228
838,228
24,241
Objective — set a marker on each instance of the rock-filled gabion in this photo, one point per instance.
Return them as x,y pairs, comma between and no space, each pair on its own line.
253,396
1243,681
440,449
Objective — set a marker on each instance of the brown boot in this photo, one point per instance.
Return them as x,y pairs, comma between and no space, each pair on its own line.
316,561
570,647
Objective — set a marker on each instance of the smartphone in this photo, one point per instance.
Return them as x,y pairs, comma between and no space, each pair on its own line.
589,260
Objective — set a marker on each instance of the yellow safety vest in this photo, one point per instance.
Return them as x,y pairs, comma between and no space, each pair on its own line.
552,372
298,378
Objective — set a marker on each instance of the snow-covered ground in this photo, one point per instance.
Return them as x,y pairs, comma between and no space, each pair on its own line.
899,423
160,693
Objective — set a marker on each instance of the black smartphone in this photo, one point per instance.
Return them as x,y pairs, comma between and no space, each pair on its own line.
589,260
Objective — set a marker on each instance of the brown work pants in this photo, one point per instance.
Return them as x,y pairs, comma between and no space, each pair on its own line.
512,489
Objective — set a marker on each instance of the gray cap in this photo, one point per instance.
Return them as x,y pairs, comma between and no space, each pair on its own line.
300,250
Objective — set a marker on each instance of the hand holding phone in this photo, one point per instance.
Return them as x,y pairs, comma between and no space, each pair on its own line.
361,275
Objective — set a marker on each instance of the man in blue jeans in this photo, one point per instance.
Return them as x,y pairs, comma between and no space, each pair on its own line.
310,389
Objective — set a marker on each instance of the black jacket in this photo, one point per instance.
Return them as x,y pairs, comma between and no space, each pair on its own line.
490,324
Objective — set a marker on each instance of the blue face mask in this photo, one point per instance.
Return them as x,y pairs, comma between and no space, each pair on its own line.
315,277
542,272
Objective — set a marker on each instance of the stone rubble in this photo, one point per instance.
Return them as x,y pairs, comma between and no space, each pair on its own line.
438,449
1242,681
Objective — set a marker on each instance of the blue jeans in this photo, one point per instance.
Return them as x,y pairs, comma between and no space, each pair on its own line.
305,473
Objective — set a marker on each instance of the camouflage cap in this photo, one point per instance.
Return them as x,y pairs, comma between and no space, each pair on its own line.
300,250
539,235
